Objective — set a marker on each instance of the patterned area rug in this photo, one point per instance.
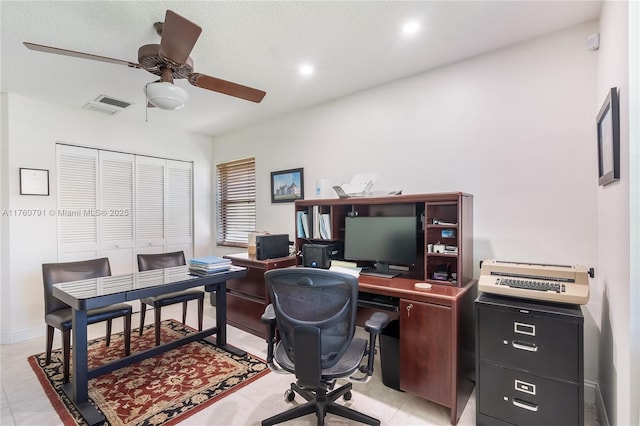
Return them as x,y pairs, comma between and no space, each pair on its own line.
161,390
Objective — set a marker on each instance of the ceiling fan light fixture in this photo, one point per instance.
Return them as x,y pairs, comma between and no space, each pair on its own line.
165,95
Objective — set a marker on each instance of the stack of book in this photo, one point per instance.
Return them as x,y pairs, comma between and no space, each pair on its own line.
208,265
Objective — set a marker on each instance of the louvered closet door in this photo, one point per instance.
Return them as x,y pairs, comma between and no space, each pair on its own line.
150,205
179,204
77,176
116,220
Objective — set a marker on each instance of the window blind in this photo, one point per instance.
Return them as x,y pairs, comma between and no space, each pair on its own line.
236,202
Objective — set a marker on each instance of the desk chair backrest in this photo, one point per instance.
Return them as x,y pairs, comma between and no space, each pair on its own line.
316,301
53,273
147,262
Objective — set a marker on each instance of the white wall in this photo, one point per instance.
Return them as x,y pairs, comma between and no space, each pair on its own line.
30,131
515,128
619,308
634,201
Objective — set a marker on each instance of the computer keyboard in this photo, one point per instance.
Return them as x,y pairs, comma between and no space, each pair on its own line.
371,300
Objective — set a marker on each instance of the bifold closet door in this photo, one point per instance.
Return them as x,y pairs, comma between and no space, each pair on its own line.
77,199
118,205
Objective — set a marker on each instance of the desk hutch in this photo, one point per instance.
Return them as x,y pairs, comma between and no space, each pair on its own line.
436,341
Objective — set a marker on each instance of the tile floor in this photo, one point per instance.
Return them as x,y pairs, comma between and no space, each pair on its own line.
24,401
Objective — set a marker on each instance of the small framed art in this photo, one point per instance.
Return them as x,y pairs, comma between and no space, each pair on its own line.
34,181
608,125
287,185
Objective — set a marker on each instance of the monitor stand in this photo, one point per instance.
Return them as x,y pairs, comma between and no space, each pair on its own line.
381,270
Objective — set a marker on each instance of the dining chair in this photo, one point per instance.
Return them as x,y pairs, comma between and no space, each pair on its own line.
58,314
148,262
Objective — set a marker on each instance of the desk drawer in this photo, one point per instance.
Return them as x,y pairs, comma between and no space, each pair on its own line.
244,313
252,284
525,399
539,343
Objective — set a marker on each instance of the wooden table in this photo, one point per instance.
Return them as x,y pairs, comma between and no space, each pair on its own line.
99,292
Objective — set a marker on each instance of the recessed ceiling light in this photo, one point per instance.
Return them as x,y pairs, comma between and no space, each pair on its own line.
410,28
306,69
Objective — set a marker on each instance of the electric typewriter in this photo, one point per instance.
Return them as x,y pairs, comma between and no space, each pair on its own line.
551,283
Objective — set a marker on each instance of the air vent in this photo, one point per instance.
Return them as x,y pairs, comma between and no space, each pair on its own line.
101,108
103,99
107,105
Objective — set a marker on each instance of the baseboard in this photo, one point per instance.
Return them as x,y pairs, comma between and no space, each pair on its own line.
593,395
10,337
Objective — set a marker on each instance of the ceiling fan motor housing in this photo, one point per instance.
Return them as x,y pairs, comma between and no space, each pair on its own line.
151,60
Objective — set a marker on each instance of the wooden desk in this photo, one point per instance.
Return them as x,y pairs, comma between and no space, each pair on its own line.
437,344
247,296
99,292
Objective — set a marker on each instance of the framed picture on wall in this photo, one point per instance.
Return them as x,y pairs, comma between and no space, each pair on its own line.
287,185
608,125
34,181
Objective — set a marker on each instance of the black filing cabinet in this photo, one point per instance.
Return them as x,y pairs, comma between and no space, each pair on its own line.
529,362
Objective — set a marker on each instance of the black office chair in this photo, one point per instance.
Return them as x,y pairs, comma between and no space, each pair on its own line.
57,314
314,312
148,262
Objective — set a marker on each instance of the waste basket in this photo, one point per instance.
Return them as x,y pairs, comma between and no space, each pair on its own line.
390,354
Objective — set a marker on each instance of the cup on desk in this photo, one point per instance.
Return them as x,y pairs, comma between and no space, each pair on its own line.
429,248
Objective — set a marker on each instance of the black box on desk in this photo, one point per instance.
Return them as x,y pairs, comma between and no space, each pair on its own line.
272,246
320,255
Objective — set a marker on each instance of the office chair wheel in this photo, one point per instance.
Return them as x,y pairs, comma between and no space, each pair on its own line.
289,395
347,396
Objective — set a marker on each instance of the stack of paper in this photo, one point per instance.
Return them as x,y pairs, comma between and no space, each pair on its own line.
208,265
350,268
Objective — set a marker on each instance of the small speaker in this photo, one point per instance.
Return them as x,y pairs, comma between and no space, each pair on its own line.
272,246
315,256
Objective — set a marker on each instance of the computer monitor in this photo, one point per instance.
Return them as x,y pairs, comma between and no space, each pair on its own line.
385,240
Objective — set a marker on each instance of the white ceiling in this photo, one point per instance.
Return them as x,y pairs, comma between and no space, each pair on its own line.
353,46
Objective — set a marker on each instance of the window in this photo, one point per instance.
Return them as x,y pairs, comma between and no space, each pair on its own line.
236,202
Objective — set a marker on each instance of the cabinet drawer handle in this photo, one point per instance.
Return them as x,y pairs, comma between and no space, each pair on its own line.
526,405
524,346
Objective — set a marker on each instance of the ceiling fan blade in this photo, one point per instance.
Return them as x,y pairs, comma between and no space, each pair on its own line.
226,87
179,35
65,52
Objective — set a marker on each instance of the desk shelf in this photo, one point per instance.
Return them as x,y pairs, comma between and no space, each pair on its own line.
444,218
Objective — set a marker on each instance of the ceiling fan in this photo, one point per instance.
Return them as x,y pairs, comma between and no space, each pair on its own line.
170,60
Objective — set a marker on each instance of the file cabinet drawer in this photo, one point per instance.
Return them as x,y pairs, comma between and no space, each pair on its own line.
524,399
529,362
536,342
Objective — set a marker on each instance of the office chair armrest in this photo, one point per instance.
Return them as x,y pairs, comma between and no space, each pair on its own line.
269,319
373,326
376,322
269,315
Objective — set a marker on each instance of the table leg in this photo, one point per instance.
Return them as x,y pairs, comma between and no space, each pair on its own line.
80,359
221,314
77,389
221,321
